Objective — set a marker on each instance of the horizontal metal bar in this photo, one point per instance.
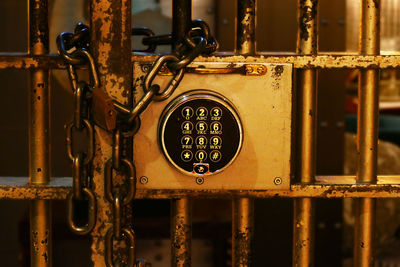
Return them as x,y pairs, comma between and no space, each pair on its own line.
28,61
321,61
326,187
20,188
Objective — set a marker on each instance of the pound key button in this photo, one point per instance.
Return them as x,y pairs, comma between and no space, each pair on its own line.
215,156
200,168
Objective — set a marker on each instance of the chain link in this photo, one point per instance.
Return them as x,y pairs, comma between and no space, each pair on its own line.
119,196
81,125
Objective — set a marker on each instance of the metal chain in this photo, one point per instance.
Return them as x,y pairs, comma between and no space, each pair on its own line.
81,158
120,197
73,48
197,42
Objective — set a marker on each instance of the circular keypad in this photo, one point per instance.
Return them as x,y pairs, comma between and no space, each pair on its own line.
200,132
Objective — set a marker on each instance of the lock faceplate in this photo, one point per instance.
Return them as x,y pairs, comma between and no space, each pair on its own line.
264,105
200,133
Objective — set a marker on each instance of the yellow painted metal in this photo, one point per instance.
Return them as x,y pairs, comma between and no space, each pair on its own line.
39,137
367,133
255,167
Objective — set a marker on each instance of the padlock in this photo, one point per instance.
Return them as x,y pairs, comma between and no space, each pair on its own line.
103,111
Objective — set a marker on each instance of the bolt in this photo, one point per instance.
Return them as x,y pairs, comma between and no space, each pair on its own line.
199,180
278,181
144,180
260,70
249,69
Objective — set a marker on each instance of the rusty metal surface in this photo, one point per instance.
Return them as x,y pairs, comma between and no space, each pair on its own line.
322,60
326,187
111,48
242,232
181,21
367,133
305,167
246,27
243,208
39,136
181,232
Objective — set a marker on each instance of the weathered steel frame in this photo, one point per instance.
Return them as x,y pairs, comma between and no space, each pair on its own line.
116,63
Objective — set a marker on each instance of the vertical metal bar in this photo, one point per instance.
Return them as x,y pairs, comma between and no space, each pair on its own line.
242,232
246,27
304,213
181,209
367,133
181,232
110,45
181,21
243,208
39,136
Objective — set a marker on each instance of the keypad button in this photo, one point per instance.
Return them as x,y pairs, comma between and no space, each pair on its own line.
215,156
200,168
216,128
187,142
187,112
215,142
216,112
186,155
201,155
201,141
201,127
187,127
201,113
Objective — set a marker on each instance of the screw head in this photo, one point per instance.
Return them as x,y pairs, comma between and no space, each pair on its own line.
199,180
143,180
260,70
278,180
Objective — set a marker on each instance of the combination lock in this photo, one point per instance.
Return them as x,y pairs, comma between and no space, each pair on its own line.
200,133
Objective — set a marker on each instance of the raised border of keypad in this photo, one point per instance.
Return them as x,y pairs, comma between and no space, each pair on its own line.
181,100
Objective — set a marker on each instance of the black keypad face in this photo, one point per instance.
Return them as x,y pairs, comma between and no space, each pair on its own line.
201,136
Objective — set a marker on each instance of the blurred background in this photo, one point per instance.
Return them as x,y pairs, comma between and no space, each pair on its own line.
276,32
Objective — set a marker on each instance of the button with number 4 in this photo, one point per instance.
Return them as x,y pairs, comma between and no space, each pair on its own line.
187,126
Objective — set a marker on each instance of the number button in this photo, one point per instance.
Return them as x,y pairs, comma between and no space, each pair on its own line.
187,112
215,156
186,155
187,127
216,113
201,113
215,142
201,142
201,127
216,128
187,142
201,155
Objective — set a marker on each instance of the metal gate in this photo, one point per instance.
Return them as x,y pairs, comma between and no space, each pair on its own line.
110,45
